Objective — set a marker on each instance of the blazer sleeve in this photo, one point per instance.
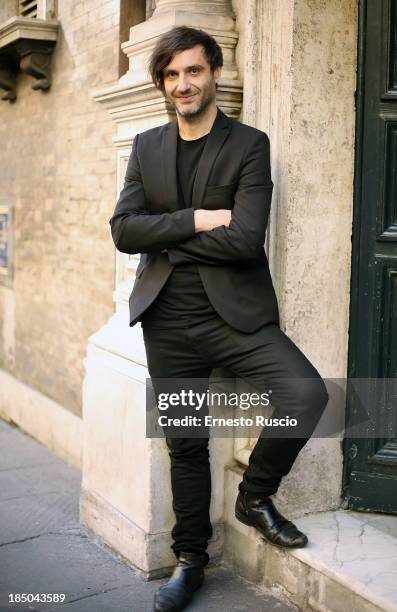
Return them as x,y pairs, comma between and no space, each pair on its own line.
134,229
245,236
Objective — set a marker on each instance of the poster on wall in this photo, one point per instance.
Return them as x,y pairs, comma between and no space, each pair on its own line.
5,240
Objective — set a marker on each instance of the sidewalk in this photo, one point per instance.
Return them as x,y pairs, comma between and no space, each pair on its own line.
43,549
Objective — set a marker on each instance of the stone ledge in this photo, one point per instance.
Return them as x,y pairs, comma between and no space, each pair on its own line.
28,28
150,553
26,44
349,564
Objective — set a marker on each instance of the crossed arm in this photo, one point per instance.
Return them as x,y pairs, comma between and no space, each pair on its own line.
210,237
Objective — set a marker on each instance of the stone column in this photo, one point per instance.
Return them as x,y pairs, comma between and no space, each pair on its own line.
125,497
301,91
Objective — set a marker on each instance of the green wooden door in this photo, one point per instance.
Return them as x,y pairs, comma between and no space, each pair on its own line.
370,474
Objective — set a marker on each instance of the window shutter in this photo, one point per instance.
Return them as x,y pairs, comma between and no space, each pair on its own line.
28,8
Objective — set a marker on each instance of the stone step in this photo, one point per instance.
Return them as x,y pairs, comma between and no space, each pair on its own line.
350,563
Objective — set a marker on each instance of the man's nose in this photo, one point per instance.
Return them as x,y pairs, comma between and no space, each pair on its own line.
183,84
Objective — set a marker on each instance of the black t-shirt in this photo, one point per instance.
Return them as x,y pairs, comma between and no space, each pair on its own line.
183,296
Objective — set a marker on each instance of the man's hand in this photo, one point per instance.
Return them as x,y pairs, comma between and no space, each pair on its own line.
206,220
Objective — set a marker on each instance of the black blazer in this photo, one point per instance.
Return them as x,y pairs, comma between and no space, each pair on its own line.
234,173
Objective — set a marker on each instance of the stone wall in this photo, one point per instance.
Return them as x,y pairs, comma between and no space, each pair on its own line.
8,9
58,168
314,222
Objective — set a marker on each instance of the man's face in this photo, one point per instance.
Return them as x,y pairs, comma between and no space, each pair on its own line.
189,83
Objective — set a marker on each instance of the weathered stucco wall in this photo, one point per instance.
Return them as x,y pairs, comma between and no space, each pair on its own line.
314,221
298,62
57,168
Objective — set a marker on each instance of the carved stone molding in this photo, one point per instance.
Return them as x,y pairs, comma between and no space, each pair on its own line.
35,59
211,7
26,44
8,76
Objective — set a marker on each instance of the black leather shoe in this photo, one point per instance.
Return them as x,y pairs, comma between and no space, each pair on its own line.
258,511
188,576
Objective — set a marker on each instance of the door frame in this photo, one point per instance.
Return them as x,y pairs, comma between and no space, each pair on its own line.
347,446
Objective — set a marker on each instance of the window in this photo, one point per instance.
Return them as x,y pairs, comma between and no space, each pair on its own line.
28,8
131,13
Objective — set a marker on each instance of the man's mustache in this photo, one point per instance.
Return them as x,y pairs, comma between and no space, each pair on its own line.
185,93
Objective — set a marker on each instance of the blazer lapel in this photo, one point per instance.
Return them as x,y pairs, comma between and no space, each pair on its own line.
168,164
219,132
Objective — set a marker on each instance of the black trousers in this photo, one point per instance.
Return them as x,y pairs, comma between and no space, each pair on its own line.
265,359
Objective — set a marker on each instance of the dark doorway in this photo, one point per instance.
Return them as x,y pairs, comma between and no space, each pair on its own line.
370,469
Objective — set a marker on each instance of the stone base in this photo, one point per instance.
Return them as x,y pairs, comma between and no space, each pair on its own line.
126,495
243,548
148,552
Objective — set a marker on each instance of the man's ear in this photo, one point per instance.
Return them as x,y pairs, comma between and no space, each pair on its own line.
217,73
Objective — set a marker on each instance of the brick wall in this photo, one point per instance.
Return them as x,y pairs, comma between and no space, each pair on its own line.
57,167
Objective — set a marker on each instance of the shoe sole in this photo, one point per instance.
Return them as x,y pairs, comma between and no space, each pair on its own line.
243,519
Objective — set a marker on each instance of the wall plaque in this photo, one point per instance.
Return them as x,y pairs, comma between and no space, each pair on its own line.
5,241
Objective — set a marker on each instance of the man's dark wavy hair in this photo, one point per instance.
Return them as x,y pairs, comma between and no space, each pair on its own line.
178,39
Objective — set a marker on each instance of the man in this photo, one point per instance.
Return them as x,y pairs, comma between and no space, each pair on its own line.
195,204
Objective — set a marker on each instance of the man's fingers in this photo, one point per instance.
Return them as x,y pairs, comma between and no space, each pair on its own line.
226,216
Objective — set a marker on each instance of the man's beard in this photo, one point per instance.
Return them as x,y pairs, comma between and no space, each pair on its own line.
195,111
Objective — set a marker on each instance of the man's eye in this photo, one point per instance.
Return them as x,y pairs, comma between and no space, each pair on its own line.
195,70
